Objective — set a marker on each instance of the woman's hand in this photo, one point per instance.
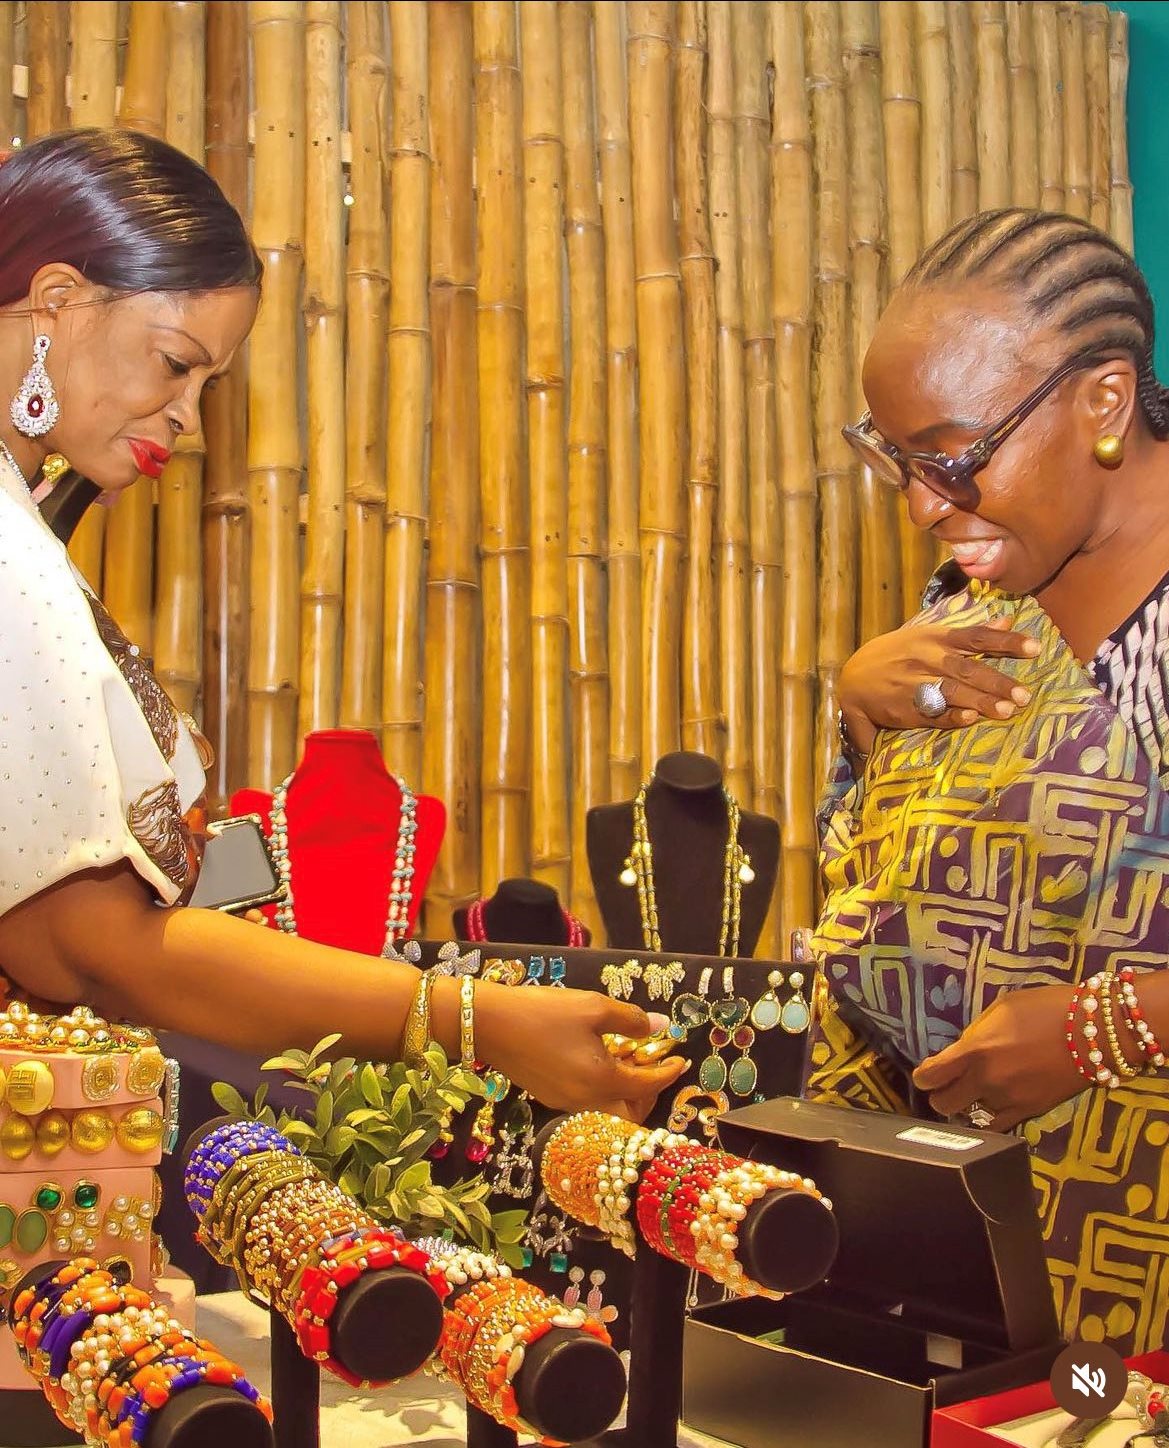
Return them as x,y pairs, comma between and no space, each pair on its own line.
878,682
1013,1060
549,1042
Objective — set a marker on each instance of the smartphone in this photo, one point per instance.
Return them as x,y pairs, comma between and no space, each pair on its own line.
238,872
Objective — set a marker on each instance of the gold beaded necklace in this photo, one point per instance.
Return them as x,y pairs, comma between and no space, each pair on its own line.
639,872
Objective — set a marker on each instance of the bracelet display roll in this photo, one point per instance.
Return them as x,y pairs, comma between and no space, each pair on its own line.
108,1358
295,1240
690,1199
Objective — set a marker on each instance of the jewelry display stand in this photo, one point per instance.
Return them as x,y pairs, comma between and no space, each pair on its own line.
343,809
787,1242
201,1415
526,912
686,816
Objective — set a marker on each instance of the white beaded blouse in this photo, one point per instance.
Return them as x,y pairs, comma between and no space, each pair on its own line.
96,765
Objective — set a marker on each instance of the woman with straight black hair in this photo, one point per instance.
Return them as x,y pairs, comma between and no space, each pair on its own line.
127,286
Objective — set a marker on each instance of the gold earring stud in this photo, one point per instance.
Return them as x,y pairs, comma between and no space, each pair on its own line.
1109,450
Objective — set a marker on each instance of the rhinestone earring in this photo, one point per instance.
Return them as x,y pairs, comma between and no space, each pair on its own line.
35,409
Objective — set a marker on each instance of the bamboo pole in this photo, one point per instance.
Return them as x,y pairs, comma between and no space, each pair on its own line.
792,243
879,582
901,114
186,77
7,59
1120,193
367,297
1077,178
661,374
1096,81
93,67
1024,104
275,456
503,461
322,577
700,706
1049,88
48,48
832,371
994,116
964,101
765,505
128,568
451,734
178,582
587,448
146,77
543,157
732,522
937,137
46,39
624,554
226,509
408,374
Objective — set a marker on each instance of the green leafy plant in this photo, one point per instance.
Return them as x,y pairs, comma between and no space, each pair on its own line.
369,1128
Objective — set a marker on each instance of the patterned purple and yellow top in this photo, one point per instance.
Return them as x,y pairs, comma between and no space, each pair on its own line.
972,861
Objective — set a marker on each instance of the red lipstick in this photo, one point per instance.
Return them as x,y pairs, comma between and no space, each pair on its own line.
149,458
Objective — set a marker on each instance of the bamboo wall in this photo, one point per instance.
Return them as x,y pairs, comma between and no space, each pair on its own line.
535,468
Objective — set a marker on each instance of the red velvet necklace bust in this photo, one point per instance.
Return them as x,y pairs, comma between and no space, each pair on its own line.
343,809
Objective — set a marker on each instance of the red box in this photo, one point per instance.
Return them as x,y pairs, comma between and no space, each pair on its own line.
962,1424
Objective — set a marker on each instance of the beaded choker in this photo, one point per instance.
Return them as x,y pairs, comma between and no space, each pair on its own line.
477,926
401,890
639,872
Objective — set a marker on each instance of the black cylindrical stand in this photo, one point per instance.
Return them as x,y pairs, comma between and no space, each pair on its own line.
296,1390
484,1432
787,1241
570,1387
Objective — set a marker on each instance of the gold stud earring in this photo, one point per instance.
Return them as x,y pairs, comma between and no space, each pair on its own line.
1109,450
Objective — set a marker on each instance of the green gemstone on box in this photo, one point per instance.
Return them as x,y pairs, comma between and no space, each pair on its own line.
558,1261
86,1196
48,1199
528,1256
32,1231
7,1222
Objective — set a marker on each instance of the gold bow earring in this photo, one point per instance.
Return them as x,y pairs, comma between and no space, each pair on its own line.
1109,450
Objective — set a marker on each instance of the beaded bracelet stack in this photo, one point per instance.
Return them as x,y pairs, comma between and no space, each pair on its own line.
294,1239
108,1358
690,1198
487,1333
1101,1008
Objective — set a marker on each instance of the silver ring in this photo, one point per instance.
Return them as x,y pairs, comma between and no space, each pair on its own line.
929,700
979,1116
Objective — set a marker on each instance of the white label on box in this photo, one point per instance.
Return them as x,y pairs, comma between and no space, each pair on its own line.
931,1136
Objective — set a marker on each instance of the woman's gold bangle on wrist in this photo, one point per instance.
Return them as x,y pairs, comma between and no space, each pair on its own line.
467,1022
416,1036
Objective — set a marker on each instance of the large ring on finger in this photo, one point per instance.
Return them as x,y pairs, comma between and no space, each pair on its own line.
978,1116
929,701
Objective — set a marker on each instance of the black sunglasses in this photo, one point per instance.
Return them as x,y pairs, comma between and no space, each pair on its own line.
953,478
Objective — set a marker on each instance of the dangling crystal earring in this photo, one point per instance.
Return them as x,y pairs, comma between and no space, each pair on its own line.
35,409
796,1016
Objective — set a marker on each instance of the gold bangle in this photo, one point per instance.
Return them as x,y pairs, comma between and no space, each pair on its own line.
467,1021
416,1036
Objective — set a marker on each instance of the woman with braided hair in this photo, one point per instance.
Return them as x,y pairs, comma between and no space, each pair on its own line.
996,834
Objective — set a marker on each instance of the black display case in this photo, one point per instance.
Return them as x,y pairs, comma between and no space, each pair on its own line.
939,1292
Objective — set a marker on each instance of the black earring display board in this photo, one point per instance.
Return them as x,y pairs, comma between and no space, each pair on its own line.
568,1257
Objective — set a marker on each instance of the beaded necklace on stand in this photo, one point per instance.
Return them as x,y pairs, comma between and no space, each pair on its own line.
639,872
402,889
477,925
